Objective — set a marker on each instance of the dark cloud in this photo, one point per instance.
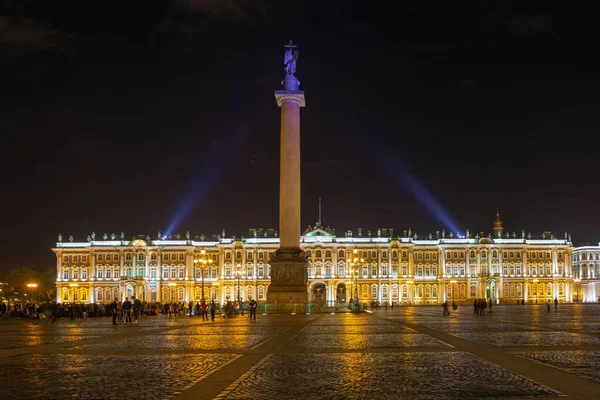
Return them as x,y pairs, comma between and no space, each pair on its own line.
31,33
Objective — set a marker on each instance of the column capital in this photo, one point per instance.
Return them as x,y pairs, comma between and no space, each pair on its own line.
296,96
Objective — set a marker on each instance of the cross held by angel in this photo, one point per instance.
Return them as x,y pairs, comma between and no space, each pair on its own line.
289,58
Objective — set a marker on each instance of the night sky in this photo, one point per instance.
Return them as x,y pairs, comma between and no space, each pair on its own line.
140,116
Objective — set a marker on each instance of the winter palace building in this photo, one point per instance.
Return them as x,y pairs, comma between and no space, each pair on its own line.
404,269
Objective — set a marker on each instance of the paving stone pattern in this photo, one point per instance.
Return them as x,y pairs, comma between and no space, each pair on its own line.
361,376
580,363
516,352
58,376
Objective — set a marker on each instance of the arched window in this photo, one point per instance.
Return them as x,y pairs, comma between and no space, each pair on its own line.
395,292
472,254
84,294
341,269
384,291
238,255
165,294
197,293
328,253
261,293
100,295
181,272
65,296
328,269
374,291
404,292
318,254
180,293
65,274
227,292
341,253
99,272
434,291
427,291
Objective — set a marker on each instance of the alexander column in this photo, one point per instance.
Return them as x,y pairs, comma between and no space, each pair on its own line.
289,275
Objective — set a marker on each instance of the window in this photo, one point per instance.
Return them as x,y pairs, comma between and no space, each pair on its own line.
341,270
260,255
261,293
83,273
181,272
65,274
495,254
328,253
228,256
374,291
128,257
181,257
100,257
75,273
115,272
249,255
99,272
484,254
261,270
173,273
427,256
318,254
472,254
65,295
384,254
404,254
238,255
108,273
165,272
341,253
65,259
108,257
100,295
153,257
140,257
473,291
373,254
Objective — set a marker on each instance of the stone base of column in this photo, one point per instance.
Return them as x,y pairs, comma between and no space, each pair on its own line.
289,277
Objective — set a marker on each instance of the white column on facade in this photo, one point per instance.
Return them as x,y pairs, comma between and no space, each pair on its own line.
159,275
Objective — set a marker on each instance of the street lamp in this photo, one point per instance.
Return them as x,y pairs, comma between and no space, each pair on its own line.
238,272
453,283
31,287
355,270
536,289
576,280
202,262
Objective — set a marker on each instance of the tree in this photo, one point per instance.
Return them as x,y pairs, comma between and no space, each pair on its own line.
18,279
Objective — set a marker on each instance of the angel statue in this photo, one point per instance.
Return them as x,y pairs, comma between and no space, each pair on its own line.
289,59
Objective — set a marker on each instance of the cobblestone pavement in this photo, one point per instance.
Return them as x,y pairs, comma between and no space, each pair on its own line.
516,352
583,363
362,376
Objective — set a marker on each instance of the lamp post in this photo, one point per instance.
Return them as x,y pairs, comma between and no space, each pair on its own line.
453,286
355,270
576,280
202,262
30,287
536,289
239,277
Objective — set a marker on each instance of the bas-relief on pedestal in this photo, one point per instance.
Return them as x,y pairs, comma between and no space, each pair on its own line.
289,275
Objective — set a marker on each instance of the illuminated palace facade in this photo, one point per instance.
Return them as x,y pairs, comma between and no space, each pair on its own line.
586,273
404,269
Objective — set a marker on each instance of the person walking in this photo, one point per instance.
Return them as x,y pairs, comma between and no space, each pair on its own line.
445,307
555,304
548,305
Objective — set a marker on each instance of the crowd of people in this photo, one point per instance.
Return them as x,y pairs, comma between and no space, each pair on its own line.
128,311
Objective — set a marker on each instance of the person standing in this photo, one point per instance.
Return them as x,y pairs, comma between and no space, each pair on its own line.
114,307
555,304
191,308
137,305
548,305
204,311
253,306
213,310
127,310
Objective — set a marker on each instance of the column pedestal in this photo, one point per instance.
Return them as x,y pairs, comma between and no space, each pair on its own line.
289,276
